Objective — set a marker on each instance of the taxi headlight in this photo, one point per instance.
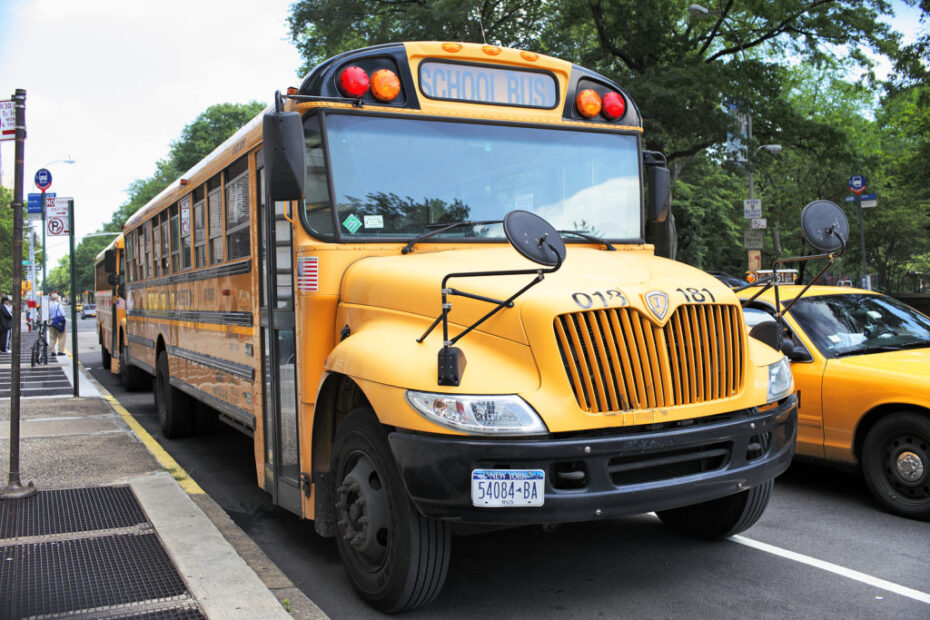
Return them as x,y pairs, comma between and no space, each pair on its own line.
482,415
781,383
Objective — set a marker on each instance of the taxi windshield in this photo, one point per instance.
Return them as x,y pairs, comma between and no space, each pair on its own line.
398,178
854,324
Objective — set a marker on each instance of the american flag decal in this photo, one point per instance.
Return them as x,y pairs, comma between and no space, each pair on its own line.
308,274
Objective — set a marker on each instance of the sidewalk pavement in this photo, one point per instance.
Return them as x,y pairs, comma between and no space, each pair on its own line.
117,528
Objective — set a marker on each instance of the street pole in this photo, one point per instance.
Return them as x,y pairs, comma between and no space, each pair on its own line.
864,280
14,488
44,248
74,347
32,268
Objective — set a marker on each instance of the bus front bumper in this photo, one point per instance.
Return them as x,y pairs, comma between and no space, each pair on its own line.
631,471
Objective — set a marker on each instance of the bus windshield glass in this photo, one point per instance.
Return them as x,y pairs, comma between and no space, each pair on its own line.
402,177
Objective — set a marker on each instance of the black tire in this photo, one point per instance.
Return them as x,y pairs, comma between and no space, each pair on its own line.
396,559
172,404
896,464
132,378
105,358
721,517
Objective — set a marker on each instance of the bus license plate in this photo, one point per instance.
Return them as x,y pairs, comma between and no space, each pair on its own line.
505,488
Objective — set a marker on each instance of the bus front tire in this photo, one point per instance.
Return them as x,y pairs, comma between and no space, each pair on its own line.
720,517
396,559
170,402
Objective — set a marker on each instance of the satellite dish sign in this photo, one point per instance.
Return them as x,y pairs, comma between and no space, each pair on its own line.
857,184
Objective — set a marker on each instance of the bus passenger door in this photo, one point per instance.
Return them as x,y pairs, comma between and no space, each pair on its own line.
279,353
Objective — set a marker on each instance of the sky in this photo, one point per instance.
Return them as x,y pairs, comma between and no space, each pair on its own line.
111,83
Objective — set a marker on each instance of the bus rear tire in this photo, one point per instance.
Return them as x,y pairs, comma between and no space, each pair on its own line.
720,517
132,378
105,357
170,402
396,559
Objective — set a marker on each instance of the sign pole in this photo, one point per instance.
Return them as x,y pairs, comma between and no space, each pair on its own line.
74,347
863,278
14,488
44,248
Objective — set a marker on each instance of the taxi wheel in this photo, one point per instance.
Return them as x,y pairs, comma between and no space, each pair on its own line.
170,402
720,517
896,464
396,559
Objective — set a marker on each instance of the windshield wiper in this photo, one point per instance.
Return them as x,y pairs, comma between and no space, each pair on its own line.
441,229
592,238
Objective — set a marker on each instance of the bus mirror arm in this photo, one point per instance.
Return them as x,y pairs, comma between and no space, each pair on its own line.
283,135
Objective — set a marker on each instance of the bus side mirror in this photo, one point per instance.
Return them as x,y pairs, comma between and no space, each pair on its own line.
283,136
109,261
113,279
658,180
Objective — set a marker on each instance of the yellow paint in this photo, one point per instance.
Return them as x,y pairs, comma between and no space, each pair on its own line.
164,459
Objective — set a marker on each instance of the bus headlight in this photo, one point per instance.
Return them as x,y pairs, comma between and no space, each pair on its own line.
482,415
781,383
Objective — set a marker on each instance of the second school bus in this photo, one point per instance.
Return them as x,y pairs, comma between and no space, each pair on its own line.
336,280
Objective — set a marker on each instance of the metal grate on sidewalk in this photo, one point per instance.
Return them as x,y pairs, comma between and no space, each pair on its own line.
86,552
37,381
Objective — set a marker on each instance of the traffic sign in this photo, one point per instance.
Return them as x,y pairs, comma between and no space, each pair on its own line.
7,120
868,196
43,179
869,203
850,199
758,223
857,183
753,239
752,208
755,260
56,226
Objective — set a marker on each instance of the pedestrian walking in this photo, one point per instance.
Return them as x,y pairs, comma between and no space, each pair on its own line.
56,322
6,322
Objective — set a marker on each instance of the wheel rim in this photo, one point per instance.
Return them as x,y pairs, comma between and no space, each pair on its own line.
363,513
906,460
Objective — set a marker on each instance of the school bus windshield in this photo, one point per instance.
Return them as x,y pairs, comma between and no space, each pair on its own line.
396,178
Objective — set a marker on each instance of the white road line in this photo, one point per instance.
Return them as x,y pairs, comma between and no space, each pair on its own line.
917,595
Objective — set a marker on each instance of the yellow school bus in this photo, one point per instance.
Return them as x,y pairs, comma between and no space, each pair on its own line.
419,280
109,294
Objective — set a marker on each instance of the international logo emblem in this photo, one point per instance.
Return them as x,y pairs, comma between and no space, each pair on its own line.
657,301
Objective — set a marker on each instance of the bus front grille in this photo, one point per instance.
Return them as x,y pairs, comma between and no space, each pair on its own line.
617,359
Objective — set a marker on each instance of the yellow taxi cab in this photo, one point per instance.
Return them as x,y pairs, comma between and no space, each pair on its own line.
861,365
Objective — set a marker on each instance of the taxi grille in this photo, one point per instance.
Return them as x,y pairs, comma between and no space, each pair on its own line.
616,359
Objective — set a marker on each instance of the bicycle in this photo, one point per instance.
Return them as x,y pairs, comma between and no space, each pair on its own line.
40,347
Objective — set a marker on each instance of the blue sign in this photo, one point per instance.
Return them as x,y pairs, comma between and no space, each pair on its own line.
857,183
43,179
868,197
34,203
850,199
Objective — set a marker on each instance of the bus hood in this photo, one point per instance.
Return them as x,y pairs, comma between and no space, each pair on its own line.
588,279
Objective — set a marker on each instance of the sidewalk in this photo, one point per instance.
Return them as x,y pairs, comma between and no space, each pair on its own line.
117,528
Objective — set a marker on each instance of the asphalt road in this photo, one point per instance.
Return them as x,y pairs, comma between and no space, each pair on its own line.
823,549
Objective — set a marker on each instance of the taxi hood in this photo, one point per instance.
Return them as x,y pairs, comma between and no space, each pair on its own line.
588,279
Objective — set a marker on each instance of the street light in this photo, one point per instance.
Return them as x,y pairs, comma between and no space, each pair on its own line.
774,149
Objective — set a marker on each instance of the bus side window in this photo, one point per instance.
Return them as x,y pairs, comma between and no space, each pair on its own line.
185,205
215,211
200,229
175,241
237,209
156,246
165,266
316,188
148,249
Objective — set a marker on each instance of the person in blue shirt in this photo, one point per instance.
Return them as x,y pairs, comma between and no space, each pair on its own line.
56,338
